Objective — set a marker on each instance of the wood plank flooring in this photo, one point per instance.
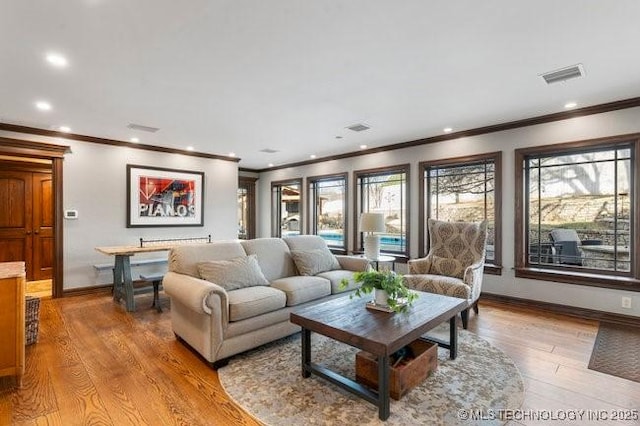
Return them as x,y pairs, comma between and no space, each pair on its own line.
96,364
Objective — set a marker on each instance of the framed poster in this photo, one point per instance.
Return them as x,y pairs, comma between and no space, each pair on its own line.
164,197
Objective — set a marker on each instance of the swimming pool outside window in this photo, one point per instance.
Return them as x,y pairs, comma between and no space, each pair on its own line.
385,191
327,209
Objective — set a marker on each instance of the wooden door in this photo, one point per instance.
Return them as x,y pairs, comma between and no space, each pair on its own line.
26,221
43,244
16,216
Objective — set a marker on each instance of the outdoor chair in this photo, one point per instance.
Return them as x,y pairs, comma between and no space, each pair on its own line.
567,244
455,262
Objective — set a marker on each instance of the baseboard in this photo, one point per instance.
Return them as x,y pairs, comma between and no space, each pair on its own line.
98,289
573,311
83,291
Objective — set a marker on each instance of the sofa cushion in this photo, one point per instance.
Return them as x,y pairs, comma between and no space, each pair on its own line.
305,242
335,277
273,256
312,262
233,274
302,289
446,266
439,284
252,301
185,259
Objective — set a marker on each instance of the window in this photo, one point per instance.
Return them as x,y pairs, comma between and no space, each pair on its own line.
385,191
464,189
286,202
577,217
327,209
246,208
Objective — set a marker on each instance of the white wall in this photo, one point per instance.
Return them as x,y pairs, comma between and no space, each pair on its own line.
95,185
581,128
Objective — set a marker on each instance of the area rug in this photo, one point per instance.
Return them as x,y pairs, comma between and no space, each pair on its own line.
268,384
616,351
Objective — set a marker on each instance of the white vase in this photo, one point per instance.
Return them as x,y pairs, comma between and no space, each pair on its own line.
372,247
380,297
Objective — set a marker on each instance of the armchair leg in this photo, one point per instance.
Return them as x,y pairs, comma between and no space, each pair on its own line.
465,318
475,307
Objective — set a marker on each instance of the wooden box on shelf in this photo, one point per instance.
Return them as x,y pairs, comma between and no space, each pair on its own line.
406,375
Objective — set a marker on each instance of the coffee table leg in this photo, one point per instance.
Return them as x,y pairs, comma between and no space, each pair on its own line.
453,338
383,387
306,352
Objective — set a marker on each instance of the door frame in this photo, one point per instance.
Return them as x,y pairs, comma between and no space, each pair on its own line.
55,153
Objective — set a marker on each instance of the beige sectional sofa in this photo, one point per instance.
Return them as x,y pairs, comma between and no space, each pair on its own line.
231,296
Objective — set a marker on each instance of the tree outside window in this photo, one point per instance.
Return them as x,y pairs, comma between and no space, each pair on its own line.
286,202
327,208
463,189
578,209
575,219
385,191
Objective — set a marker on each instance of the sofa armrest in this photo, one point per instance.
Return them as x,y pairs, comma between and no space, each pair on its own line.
352,263
195,293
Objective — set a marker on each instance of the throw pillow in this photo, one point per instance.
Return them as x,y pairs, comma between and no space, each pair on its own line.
312,262
446,266
239,272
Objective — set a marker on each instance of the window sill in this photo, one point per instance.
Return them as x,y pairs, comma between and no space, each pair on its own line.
580,278
491,269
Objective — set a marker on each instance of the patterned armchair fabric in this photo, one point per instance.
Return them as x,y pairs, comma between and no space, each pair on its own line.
455,262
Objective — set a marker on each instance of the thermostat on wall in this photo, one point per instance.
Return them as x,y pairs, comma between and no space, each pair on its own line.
71,214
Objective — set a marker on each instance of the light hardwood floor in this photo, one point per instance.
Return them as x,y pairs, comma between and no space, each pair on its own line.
96,364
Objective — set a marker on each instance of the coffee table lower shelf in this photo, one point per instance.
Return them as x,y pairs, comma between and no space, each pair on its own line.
381,398
348,321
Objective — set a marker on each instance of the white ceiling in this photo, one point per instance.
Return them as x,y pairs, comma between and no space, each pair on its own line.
241,76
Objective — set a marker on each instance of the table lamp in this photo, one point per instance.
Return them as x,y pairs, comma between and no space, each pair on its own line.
370,223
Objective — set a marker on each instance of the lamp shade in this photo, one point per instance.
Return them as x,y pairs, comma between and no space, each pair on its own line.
372,222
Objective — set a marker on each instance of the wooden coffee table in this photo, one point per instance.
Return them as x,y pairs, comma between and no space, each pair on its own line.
379,333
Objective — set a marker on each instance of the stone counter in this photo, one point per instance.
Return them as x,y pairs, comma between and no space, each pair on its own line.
12,270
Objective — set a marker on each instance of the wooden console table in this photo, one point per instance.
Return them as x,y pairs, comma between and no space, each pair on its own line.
12,323
122,281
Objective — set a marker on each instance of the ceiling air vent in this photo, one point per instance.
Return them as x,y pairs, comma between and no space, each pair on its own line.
269,150
564,74
142,128
358,127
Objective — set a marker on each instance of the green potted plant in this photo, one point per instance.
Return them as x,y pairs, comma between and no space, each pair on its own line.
388,288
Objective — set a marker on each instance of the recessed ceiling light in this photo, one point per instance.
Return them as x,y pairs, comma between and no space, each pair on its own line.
43,106
447,130
65,129
270,165
570,105
312,156
232,154
134,140
57,60
363,147
189,148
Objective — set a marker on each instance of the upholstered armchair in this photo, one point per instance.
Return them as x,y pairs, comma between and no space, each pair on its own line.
454,264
